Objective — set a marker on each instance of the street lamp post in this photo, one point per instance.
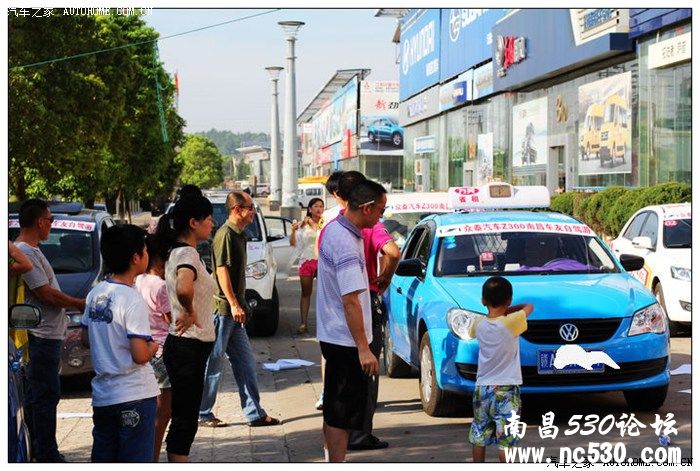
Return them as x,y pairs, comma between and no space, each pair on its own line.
275,167
290,207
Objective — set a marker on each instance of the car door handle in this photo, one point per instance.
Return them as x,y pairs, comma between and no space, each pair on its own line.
399,290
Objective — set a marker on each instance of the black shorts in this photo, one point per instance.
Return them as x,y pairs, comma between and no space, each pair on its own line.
344,387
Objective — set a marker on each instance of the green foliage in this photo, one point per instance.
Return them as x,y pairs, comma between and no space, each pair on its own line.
563,203
599,207
88,126
666,193
580,204
201,163
622,210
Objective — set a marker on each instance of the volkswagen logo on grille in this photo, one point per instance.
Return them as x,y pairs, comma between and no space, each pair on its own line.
568,332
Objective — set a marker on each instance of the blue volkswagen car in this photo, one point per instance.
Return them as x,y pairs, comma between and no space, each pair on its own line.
583,298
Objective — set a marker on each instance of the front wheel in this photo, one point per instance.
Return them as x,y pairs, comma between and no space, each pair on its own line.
394,366
266,317
649,399
436,402
371,137
397,139
659,293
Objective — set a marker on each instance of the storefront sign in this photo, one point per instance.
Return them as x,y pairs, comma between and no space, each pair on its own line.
551,50
336,122
483,81
380,133
420,51
648,20
456,92
509,50
591,23
424,145
420,107
670,51
466,38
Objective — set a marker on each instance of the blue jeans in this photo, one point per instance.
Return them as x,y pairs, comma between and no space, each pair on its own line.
232,340
44,393
124,433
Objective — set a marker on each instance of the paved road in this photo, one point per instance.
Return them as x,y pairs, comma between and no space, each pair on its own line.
415,437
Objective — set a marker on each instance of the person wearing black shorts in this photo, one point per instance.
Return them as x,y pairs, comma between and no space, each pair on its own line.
344,317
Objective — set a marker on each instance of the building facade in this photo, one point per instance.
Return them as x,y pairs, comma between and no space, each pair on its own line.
566,98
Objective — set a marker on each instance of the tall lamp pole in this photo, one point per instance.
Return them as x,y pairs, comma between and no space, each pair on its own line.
289,176
275,164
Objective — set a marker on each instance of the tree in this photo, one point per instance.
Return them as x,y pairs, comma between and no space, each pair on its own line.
201,162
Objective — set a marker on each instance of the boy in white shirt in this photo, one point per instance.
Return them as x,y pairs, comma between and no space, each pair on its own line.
117,330
498,376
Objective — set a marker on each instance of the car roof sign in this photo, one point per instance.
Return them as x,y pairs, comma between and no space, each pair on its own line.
498,195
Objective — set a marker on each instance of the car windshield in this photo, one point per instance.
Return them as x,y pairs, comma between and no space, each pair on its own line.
677,233
252,231
521,253
67,251
399,225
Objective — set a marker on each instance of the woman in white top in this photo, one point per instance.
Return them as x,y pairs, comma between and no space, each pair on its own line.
303,237
191,335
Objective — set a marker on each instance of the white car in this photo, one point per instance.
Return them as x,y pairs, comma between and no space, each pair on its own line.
265,247
662,235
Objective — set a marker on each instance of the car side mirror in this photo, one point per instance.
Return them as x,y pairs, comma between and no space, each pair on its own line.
411,267
643,242
631,262
24,316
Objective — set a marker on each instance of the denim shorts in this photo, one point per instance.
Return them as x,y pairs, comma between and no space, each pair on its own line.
161,373
492,408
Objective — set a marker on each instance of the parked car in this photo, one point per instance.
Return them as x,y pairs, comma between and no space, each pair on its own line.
22,316
583,296
73,250
662,235
385,129
262,270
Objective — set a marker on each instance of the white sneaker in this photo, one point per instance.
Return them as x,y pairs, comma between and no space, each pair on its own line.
319,403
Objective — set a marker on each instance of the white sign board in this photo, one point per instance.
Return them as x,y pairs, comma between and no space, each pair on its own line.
670,51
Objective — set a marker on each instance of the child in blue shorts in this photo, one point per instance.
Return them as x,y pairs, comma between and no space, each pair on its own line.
498,376
116,328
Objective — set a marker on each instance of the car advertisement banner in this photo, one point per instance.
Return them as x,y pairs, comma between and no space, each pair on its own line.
605,126
484,152
380,133
521,226
335,124
420,51
65,224
530,133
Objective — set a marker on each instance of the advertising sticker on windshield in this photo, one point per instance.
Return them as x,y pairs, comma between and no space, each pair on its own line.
83,226
524,226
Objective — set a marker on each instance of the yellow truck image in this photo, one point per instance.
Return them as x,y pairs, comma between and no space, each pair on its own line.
614,134
590,131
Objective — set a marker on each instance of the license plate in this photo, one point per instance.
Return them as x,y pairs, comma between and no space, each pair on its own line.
545,365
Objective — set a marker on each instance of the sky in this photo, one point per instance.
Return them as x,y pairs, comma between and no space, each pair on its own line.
223,82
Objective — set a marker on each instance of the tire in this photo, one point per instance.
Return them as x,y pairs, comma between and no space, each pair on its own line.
397,139
267,317
673,327
649,399
372,138
394,366
436,402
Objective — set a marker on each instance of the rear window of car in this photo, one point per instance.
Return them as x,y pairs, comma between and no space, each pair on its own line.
67,251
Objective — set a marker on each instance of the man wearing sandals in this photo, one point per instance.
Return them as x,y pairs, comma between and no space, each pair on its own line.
229,259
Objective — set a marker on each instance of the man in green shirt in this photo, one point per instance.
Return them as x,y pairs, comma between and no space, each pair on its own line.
229,259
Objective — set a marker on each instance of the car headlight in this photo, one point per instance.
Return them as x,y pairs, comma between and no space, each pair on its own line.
256,270
460,320
74,318
651,319
681,273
